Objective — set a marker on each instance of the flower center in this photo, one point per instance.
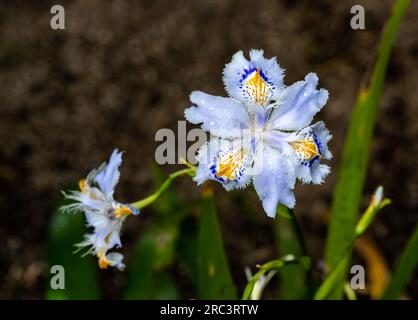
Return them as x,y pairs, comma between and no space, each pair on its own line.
82,185
103,261
307,148
257,88
229,163
122,211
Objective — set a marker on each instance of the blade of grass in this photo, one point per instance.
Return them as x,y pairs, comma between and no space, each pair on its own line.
65,230
404,270
214,278
349,188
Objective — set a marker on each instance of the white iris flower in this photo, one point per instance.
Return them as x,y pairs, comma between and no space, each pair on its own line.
104,214
262,133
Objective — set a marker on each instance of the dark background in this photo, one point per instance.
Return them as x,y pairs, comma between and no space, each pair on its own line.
124,69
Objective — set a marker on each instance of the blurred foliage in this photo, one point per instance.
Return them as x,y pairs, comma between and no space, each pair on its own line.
187,250
404,270
149,275
375,264
352,173
65,230
149,271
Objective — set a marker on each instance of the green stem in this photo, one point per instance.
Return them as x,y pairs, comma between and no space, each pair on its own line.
299,235
167,183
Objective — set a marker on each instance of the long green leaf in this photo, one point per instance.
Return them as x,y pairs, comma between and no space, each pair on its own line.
80,272
214,278
329,287
404,270
349,188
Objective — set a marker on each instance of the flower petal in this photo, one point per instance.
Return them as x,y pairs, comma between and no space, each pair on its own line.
277,140
299,103
108,177
257,81
96,220
310,145
274,179
115,259
220,116
225,161
83,201
113,239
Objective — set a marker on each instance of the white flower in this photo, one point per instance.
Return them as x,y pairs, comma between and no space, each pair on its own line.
104,214
262,132
260,284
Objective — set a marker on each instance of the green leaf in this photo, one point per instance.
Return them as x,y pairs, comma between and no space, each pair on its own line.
152,258
349,188
404,270
293,277
65,230
349,292
330,286
214,278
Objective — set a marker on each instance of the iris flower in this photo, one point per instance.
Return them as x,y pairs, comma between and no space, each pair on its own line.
262,132
104,214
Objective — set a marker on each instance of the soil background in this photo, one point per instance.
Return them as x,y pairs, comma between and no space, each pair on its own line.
124,69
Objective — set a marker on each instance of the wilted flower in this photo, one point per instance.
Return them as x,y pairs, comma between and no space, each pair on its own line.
260,284
104,214
262,132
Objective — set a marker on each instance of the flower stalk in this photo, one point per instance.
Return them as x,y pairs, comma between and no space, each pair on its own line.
190,171
299,236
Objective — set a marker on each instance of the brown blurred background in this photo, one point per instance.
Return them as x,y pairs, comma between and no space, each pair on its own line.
124,69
